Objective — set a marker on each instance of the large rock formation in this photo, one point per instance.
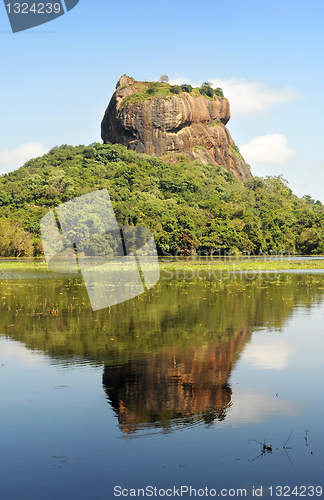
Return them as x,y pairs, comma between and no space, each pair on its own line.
186,123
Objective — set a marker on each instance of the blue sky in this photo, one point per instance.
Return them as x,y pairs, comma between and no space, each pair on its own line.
57,79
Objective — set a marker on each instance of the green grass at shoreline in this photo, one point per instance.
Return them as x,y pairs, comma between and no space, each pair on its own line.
21,265
264,265
183,265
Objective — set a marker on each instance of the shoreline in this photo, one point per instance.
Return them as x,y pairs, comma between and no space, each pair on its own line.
181,265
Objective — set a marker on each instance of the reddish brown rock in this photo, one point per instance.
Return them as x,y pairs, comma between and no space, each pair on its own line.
175,383
180,123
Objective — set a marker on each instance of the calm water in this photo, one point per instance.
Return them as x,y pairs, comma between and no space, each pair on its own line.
210,385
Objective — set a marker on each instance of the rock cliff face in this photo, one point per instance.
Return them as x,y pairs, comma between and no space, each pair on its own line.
186,123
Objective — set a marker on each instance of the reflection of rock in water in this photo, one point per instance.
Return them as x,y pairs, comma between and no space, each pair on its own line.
174,386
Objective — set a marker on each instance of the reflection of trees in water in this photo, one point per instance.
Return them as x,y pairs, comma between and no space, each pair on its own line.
186,334
179,313
175,386
172,349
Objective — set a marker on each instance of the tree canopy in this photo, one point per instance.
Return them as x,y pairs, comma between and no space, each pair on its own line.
190,207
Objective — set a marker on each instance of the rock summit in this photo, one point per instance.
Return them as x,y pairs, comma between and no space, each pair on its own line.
158,118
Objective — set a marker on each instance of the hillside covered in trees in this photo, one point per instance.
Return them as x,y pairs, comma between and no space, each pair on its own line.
190,207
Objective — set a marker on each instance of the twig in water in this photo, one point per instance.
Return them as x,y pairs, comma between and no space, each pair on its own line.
284,446
268,449
288,448
264,449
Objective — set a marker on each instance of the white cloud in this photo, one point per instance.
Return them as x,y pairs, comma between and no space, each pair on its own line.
10,350
10,160
258,407
266,353
247,97
252,97
267,149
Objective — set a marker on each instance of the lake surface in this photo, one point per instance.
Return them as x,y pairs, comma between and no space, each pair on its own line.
214,385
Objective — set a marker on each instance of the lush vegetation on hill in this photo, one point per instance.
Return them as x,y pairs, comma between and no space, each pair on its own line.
189,207
153,90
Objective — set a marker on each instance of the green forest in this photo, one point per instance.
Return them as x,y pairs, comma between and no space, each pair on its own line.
190,207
